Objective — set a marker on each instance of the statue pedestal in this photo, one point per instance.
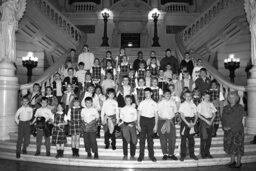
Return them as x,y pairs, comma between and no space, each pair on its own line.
251,94
8,99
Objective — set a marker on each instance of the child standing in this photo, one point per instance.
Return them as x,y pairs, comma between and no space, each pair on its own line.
141,71
80,74
57,87
188,114
110,117
123,69
132,80
128,115
147,124
157,92
166,128
58,133
42,116
68,98
22,118
97,72
90,117
153,67
162,80
148,78
139,91
88,81
168,71
74,116
206,112
108,82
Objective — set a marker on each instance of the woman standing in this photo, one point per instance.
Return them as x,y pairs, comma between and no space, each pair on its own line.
232,118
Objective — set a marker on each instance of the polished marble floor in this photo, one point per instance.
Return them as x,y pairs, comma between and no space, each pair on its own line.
9,165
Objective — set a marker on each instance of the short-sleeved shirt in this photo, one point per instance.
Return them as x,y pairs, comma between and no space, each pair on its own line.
206,109
24,114
128,114
89,114
148,108
167,109
188,109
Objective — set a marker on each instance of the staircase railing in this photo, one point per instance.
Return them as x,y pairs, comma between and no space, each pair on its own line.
212,12
58,19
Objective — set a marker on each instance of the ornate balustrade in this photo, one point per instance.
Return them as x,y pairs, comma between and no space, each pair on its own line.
58,19
206,17
85,7
174,7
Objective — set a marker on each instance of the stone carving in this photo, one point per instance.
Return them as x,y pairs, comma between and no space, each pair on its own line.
250,9
11,12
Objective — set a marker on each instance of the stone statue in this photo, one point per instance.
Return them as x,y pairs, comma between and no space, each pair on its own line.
11,12
250,9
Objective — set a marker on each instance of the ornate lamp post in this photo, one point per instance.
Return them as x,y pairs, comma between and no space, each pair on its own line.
30,62
105,14
232,63
155,16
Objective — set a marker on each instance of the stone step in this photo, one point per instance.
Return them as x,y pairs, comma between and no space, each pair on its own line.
116,162
215,140
215,149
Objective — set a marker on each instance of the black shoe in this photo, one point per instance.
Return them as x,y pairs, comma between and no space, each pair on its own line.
182,158
73,152
140,158
24,151
48,153
172,157
231,164
194,157
77,152
203,157
238,166
113,147
61,153
153,159
89,155
106,146
17,155
165,157
209,156
96,156
125,158
58,154
37,153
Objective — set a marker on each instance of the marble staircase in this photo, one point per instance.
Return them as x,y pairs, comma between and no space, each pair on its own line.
109,158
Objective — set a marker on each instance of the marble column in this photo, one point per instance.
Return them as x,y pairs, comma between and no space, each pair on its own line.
250,8
9,99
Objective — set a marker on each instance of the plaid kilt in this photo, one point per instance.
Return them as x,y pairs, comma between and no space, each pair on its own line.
141,73
96,72
124,69
234,142
58,133
214,94
155,95
75,121
140,94
217,118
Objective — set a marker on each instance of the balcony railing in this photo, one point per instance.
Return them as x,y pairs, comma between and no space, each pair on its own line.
83,7
174,7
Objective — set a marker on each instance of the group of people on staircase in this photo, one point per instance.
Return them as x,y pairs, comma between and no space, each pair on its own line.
145,100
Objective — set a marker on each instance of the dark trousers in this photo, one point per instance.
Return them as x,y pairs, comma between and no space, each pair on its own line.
167,140
184,137
23,135
107,135
132,146
147,126
90,142
39,138
205,144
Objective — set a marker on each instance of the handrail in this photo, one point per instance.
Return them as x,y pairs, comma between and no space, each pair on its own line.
85,6
206,17
58,19
175,7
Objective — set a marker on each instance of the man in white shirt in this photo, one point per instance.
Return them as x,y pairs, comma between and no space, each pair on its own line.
166,129
87,58
147,124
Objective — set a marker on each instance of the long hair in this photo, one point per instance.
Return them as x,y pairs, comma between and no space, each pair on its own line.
233,94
